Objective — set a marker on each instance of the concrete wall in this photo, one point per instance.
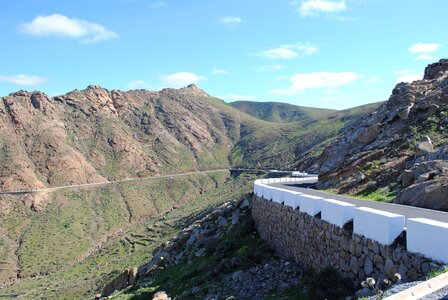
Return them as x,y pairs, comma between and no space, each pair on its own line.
311,230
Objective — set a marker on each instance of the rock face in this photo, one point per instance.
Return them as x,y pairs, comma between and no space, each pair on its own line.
96,135
125,279
395,143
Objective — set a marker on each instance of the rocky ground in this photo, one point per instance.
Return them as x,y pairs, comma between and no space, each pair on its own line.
221,256
399,150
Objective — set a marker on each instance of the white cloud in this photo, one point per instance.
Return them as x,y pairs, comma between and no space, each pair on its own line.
158,5
408,76
425,56
289,51
216,71
278,53
373,79
230,20
306,48
233,97
57,25
138,84
317,7
181,79
282,77
346,19
269,68
305,81
24,79
422,48
403,72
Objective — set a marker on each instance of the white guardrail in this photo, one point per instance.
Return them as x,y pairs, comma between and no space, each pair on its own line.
424,236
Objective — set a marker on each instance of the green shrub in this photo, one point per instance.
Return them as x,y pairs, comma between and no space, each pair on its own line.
328,284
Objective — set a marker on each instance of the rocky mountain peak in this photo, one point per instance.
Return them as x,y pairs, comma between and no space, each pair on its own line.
437,70
21,93
373,154
94,87
196,90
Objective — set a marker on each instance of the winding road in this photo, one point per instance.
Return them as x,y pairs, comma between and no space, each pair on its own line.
405,210
96,184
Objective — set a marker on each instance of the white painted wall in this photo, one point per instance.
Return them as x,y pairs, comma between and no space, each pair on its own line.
277,195
310,204
337,212
378,225
291,199
267,192
424,236
428,237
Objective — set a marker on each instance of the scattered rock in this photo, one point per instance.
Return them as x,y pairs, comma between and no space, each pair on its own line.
235,217
245,203
211,243
423,149
125,279
360,177
407,178
222,221
160,296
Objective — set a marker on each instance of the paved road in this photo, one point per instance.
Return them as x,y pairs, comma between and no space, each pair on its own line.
407,211
97,184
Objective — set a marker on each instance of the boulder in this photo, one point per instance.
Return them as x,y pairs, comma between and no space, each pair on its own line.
430,194
424,171
222,221
423,149
407,178
236,217
369,134
160,296
359,177
122,281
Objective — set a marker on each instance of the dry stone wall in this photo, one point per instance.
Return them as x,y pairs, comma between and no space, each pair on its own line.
318,244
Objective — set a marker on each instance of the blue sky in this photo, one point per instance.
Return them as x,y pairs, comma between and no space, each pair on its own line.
319,53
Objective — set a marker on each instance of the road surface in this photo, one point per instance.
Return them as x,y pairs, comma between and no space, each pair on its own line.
405,210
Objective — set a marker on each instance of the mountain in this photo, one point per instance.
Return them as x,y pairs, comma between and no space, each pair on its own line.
284,112
297,141
76,240
281,112
95,135
398,150
90,135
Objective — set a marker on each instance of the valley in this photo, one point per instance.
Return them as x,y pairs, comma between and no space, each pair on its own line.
101,161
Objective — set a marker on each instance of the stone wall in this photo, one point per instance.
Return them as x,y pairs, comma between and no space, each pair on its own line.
318,244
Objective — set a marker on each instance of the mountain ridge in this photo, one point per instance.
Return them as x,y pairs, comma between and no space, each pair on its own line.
86,132
397,150
285,112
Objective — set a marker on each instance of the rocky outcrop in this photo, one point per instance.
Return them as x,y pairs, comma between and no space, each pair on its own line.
431,194
210,239
397,142
125,279
95,135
